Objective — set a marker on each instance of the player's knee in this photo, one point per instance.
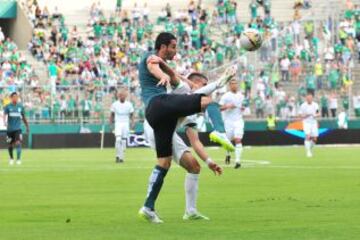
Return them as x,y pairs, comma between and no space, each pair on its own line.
194,167
238,140
164,162
205,101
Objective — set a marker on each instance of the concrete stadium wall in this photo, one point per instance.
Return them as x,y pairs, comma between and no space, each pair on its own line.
19,29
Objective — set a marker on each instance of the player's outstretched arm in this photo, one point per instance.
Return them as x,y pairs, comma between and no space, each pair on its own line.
200,150
161,70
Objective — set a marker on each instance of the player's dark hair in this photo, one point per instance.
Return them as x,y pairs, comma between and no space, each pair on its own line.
310,93
13,94
163,38
194,75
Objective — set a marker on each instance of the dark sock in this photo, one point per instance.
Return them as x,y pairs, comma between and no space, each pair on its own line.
10,149
155,183
214,113
18,152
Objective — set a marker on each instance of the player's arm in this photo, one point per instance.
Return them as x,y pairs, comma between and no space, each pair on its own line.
5,117
161,71
25,122
199,148
112,118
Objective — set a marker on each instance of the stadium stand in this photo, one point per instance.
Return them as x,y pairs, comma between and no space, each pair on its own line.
81,57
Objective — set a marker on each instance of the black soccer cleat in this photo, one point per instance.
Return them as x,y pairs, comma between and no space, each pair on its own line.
118,160
237,165
227,159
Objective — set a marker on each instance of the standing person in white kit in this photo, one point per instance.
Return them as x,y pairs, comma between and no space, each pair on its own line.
121,113
309,111
232,106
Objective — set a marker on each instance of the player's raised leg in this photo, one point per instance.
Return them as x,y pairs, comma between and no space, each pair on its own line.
200,85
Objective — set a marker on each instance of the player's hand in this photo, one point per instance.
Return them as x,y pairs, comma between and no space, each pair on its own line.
153,59
215,168
27,131
164,81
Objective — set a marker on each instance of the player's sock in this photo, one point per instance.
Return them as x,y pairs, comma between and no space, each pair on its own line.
307,144
156,181
124,143
119,148
11,152
191,191
208,89
312,144
214,113
238,152
18,152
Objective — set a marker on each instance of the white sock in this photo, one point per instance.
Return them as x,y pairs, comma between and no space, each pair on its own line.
312,144
191,191
307,144
238,152
208,89
119,148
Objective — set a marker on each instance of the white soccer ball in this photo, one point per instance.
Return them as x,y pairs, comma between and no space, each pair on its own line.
251,39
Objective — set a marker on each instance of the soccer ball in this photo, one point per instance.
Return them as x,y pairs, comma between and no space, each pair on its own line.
251,39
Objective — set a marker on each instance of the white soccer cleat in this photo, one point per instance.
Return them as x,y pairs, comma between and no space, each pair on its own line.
11,162
309,154
149,216
229,74
195,216
18,162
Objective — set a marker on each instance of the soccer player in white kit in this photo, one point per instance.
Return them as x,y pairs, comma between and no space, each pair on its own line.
121,113
182,154
309,111
232,106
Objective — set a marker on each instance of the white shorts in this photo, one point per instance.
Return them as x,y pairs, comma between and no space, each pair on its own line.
121,130
179,147
311,129
234,129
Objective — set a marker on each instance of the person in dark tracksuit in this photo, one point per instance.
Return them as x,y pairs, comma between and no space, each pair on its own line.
13,115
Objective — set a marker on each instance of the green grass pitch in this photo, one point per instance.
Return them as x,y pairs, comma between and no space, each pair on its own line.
279,194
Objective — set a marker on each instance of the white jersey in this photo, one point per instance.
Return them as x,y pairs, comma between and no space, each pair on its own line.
189,121
236,99
309,110
122,112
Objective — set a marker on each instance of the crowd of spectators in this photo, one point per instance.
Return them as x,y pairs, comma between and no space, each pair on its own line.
86,66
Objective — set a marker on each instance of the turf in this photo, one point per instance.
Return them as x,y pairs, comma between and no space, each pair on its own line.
83,194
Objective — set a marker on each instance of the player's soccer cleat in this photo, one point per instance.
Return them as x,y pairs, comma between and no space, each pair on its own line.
227,159
237,165
227,76
195,216
118,160
18,162
149,216
11,162
222,139
309,154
